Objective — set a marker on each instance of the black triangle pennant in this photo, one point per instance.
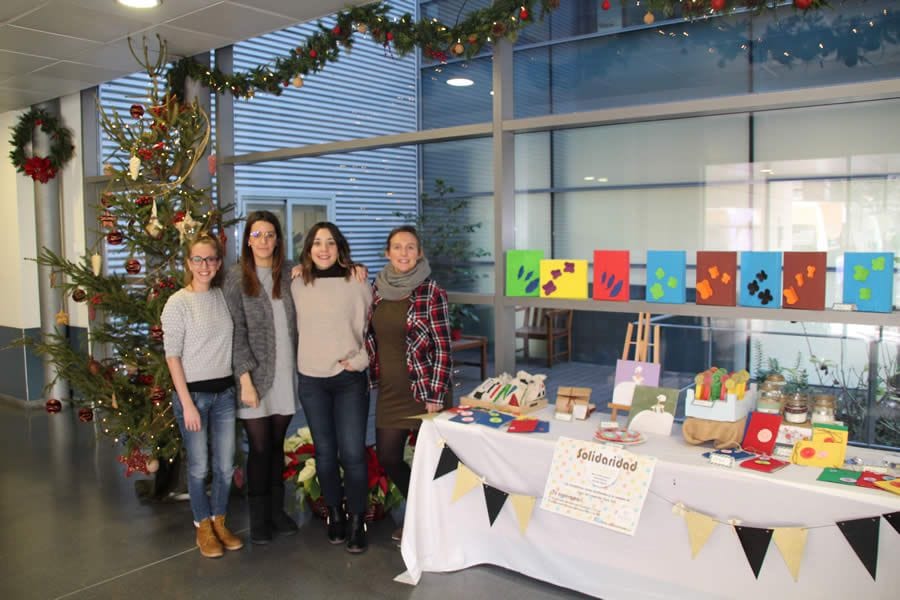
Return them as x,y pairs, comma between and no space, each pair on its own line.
495,499
447,463
894,519
756,543
862,534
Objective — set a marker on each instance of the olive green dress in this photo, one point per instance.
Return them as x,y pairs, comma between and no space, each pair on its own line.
395,398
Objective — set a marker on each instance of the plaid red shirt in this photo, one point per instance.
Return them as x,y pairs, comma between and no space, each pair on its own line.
428,359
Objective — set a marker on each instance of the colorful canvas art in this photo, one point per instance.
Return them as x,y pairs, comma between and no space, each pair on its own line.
717,278
523,271
665,276
869,280
640,373
652,410
564,279
611,270
761,279
803,280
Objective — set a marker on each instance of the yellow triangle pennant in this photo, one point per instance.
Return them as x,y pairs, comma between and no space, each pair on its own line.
523,505
700,527
466,481
791,542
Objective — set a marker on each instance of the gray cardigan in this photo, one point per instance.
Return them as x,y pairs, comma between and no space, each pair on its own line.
254,328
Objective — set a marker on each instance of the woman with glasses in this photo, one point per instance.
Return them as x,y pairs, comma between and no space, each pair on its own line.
331,321
257,290
197,334
408,343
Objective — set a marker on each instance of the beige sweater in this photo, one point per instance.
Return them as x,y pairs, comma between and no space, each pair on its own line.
331,323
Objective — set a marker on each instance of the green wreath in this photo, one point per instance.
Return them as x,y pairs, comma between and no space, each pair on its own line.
41,168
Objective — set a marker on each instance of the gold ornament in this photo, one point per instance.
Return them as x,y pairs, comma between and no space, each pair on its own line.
649,18
457,49
96,264
298,81
112,401
187,226
62,318
134,167
362,28
108,170
152,465
154,228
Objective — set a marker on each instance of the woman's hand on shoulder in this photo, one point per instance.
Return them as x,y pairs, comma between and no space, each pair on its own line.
297,271
360,272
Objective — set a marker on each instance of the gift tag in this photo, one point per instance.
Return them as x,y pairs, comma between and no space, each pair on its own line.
723,460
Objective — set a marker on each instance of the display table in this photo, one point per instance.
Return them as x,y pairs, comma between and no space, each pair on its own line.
656,562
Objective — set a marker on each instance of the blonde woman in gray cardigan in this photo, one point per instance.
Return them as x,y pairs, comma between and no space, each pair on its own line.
258,293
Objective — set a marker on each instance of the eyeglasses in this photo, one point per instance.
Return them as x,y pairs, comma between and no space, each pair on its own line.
266,235
206,260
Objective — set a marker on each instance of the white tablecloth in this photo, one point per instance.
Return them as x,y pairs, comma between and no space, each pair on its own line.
656,562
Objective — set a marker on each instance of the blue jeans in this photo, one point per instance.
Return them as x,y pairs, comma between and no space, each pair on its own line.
337,410
217,423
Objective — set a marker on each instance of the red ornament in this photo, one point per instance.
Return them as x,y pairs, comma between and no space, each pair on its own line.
389,36
605,5
108,220
135,461
94,367
313,53
156,333
143,200
158,146
336,30
157,395
79,295
137,111
145,379
717,5
40,169
803,4
223,239
97,299
114,238
132,266
523,14
53,406
178,217
85,415
145,153
498,29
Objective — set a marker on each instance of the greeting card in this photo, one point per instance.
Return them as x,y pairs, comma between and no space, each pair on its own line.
489,418
869,280
803,280
665,276
869,479
528,426
837,475
611,275
891,486
765,465
523,270
760,279
734,453
762,430
652,410
716,278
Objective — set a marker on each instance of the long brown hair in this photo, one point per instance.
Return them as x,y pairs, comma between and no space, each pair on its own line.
249,281
343,247
208,240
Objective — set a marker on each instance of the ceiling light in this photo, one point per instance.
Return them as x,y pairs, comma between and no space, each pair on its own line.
139,3
460,82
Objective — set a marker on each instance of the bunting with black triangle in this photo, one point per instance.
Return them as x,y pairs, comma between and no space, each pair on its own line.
894,519
494,499
862,535
447,463
755,542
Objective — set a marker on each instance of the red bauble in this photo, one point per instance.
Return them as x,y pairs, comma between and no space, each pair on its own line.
605,5
717,5
143,200
178,217
523,14
79,295
145,153
114,238
803,4
156,333
145,379
313,53
157,395
137,111
97,299
336,30
53,406
389,36
94,367
85,415
132,266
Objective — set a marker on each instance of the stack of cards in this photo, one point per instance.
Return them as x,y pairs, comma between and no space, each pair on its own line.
528,425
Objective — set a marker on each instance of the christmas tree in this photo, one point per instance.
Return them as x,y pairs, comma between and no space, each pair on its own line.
150,209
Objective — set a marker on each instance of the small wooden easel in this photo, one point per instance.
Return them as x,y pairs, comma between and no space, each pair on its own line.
643,339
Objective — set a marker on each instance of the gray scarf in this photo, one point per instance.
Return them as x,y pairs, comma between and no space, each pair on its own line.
397,286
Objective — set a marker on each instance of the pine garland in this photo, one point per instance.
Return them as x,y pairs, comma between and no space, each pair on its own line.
438,41
40,168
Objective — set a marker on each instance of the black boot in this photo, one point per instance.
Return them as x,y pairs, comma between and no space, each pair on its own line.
282,523
260,519
357,543
337,525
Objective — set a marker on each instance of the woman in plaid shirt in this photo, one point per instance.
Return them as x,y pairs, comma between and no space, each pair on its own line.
408,342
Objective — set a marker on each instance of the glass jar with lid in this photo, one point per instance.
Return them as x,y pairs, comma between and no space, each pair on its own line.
796,408
770,398
822,407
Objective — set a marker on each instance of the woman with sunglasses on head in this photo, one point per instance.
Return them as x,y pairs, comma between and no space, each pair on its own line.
258,292
331,321
408,342
197,334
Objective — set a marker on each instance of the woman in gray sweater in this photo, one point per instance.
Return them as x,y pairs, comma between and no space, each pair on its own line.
257,291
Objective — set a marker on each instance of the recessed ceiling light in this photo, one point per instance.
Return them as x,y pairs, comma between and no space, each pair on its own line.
589,178
139,3
460,82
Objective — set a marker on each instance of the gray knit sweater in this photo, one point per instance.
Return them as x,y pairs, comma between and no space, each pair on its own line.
254,328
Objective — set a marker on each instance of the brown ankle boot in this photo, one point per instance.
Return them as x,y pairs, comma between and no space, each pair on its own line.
228,539
207,540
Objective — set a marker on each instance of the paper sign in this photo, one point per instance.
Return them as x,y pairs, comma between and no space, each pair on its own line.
602,485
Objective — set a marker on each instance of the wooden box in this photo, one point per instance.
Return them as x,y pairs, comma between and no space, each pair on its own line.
531,407
730,410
